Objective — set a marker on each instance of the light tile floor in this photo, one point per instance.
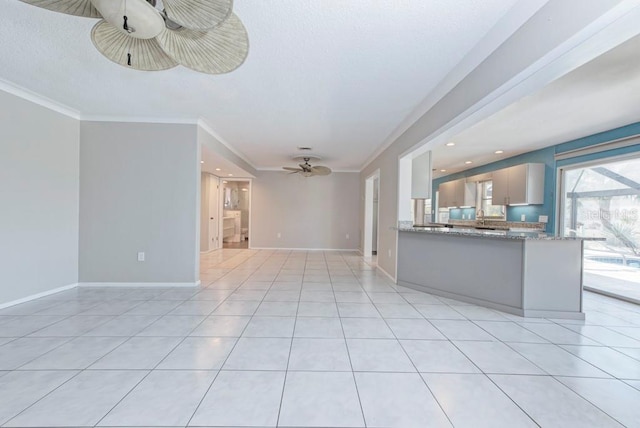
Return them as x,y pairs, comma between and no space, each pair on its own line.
297,339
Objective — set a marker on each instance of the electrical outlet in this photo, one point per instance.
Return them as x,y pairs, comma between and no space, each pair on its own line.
278,235
347,236
141,256
389,253
523,217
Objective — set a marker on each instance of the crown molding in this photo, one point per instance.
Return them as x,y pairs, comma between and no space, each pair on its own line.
201,122
134,119
28,95
276,169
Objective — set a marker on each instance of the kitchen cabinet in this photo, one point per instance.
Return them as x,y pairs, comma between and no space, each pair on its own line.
518,185
457,193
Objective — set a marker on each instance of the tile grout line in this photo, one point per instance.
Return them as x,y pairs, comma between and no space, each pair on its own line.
413,364
231,351
151,371
293,334
353,373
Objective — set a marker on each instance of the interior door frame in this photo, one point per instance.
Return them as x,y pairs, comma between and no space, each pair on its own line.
215,181
367,244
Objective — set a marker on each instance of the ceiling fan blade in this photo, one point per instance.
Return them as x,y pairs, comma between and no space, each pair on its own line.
216,51
198,14
146,54
288,168
70,7
320,170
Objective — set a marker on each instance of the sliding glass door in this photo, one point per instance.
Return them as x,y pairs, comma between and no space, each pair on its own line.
603,200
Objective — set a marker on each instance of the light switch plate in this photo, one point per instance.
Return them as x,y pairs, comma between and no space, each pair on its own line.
543,219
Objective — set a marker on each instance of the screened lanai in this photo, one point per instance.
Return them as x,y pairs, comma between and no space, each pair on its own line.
601,200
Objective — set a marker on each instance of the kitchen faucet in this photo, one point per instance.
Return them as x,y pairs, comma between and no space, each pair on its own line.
480,216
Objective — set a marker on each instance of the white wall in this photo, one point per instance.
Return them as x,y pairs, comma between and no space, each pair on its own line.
139,191
38,199
315,212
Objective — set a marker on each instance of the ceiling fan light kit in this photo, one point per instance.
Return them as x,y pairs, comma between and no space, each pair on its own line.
203,35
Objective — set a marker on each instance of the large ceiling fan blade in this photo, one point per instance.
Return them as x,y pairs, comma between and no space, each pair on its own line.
145,54
217,51
320,170
288,168
198,14
70,7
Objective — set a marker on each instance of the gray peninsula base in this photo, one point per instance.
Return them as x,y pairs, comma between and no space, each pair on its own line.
525,277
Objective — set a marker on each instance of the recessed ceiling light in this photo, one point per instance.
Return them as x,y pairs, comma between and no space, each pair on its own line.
443,170
224,182
230,175
218,169
245,190
450,144
468,162
201,161
498,152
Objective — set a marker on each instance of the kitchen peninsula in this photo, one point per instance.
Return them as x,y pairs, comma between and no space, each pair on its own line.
530,274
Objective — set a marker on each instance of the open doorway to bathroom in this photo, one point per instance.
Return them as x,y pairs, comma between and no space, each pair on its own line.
236,205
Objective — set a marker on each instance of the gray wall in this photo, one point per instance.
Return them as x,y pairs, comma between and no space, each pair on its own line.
139,191
39,199
314,212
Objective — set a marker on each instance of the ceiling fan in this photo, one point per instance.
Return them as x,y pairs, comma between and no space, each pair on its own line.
150,35
306,169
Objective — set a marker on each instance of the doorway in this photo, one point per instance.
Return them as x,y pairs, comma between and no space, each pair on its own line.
371,215
236,210
602,199
209,212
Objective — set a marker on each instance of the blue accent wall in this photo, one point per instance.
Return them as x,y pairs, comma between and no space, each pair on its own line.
547,157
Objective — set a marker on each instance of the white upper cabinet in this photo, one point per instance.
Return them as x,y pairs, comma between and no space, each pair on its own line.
421,176
457,193
519,185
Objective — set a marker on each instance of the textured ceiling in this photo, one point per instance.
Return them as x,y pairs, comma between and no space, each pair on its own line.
598,96
335,75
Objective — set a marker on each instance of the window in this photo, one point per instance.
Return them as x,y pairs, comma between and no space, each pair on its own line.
485,191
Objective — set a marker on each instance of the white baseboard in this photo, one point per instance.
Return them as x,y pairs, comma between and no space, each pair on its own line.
386,274
209,251
139,284
304,249
39,295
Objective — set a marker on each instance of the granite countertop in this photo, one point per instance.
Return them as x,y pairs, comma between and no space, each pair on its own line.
496,234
